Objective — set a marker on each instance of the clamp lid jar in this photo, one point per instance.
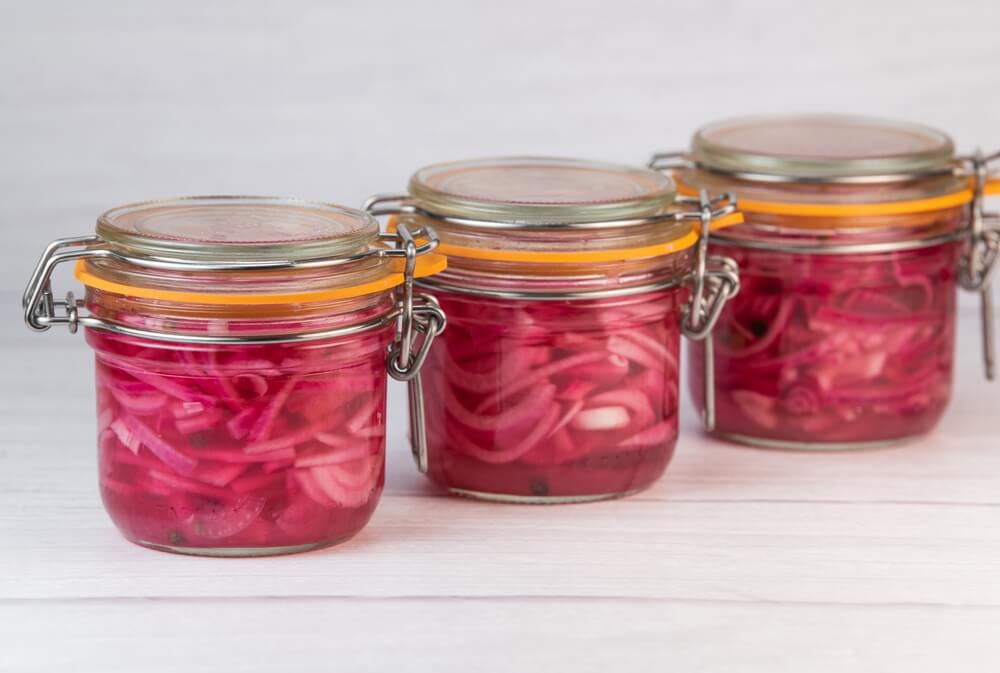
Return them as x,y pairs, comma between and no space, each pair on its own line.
857,233
241,353
567,288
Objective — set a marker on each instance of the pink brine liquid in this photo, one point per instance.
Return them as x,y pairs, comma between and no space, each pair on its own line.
821,349
539,400
217,449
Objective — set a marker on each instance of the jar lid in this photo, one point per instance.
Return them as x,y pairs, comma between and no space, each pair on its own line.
246,250
544,210
237,228
821,148
540,191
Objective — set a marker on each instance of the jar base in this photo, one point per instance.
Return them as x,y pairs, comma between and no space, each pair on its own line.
241,552
510,498
792,445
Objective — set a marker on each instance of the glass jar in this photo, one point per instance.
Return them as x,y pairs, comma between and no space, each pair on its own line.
857,234
567,287
241,351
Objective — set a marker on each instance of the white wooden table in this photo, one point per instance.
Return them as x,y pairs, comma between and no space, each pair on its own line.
738,560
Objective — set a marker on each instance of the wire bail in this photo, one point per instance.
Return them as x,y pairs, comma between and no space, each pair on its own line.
668,162
716,279
41,309
388,204
980,258
418,313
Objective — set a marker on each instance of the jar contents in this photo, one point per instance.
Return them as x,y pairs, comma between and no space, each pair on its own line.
551,400
855,235
832,348
273,447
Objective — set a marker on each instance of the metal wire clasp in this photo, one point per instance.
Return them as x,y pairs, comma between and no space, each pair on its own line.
667,162
419,314
41,309
980,258
715,281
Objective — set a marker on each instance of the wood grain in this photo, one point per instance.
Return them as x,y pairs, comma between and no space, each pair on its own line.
738,559
504,634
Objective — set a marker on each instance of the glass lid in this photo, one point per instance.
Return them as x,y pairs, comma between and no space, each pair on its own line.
237,229
540,191
247,250
821,147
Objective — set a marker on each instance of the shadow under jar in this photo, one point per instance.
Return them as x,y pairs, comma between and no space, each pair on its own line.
566,289
241,350
857,234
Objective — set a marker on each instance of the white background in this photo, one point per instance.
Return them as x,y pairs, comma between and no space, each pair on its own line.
738,561
104,103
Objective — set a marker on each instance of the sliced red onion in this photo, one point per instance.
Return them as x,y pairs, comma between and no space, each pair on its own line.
835,349
199,445
601,418
539,399
517,450
538,375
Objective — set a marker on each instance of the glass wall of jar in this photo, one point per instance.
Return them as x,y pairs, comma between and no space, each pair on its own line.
241,352
567,286
857,234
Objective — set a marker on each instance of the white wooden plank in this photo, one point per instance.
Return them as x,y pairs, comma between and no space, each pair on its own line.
771,552
442,636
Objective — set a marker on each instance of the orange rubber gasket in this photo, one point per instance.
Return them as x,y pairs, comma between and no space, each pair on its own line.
681,243
914,206
427,265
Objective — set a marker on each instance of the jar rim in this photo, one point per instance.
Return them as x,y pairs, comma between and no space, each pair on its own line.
539,191
251,229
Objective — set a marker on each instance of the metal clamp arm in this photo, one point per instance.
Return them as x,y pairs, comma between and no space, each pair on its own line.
669,161
41,309
716,279
419,314
388,204
980,258
428,320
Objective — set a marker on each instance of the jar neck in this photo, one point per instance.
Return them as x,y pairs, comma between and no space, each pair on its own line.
576,277
149,280
659,227
843,212
830,192
250,320
911,230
